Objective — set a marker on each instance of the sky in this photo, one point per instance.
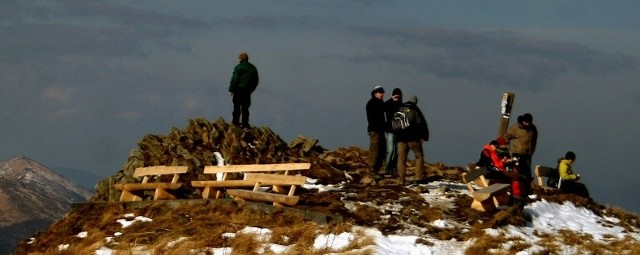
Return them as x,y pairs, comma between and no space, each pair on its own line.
547,219
82,81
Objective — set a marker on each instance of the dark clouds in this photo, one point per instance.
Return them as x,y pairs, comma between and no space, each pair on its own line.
491,58
82,81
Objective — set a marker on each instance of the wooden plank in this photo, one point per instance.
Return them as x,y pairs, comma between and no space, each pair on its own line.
488,192
128,196
150,186
276,179
162,194
223,184
263,196
257,168
159,170
476,173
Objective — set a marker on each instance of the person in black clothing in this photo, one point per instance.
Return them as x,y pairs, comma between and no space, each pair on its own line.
376,120
243,82
411,138
391,106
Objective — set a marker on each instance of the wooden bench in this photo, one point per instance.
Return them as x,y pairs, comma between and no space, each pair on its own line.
130,190
488,196
260,180
221,172
545,171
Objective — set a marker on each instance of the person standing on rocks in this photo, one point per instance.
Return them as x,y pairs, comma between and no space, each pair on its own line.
523,137
243,82
411,138
375,128
391,106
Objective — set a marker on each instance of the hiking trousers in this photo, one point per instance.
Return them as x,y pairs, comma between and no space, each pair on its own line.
391,159
376,151
403,152
241,103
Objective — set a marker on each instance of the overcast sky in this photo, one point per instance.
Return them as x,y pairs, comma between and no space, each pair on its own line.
82,81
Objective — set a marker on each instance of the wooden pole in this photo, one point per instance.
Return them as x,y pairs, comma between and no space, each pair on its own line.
507,105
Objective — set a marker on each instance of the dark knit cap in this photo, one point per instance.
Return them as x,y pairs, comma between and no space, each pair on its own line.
396,91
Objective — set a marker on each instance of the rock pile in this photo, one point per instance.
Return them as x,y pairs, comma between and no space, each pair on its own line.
194,146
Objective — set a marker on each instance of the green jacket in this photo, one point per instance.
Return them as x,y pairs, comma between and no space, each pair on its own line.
245,78
566,173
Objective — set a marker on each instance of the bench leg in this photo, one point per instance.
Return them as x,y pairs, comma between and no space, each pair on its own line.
501,198
205,192
128,196
162,194
484,206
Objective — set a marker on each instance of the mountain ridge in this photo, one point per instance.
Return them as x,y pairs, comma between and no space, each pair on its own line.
32,196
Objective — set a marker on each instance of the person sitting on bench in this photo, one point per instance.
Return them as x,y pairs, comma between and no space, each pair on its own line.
494,161
496,158
569,179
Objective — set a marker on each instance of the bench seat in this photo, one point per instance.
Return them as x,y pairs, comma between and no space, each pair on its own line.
133,191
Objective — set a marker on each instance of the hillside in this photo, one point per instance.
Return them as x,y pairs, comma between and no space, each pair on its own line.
32,197
431,218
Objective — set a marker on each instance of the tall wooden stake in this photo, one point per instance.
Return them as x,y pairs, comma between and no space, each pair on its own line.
507,105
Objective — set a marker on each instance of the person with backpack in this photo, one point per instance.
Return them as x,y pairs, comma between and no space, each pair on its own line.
392,106
375,128
569,179
411,130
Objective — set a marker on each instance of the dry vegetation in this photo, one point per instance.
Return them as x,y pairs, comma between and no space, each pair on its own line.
200,226
196,226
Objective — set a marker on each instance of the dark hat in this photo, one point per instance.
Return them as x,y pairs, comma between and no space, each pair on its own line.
243,56
412,100
396,91
377,89
570,155
527,117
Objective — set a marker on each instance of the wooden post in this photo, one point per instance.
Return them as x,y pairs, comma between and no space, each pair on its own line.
506,105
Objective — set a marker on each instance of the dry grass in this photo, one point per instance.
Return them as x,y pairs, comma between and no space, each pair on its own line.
199,227
182,230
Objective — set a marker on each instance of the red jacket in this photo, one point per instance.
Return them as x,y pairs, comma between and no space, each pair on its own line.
491,153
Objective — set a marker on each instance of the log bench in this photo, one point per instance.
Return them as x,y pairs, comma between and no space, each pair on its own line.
221,182
488,196
260,180
545,171
131,191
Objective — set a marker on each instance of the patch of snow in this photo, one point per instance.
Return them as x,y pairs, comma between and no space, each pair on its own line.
174,242
333,241
548,216
62,247
104,251
82,234
126,223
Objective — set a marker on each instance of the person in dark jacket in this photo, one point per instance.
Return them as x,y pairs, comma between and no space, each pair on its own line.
523,137
411,138
375,128
391,106
243,82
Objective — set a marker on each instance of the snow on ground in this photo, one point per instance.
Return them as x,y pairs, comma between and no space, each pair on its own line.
547,217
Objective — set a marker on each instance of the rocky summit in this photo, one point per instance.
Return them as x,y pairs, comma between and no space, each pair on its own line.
333,202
